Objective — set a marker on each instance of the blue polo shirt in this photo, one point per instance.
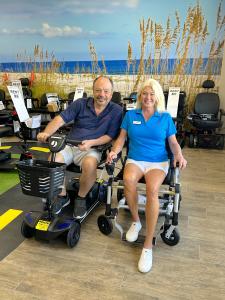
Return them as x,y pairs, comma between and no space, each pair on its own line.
147,138
87,125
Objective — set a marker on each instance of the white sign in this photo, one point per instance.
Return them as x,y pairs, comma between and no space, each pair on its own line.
16,126
18,84
29,103
18,102
52,97
130,106
173,100
2,106
78,93
34,122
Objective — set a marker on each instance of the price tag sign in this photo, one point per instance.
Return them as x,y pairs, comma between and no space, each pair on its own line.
18,84
52,97
2,106
173,100
78,93
29,103
18,102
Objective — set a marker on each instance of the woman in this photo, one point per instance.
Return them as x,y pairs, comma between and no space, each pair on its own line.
147,129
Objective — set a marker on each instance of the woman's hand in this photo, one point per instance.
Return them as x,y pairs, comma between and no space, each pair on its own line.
180,160
111,156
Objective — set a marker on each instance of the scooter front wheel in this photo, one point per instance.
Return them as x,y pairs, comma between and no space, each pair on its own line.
73,235
27,231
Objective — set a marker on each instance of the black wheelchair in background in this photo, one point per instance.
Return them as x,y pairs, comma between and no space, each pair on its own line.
206,119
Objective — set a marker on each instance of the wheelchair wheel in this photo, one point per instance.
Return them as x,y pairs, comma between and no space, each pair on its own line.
191,141
173,239
27,231
73,235
105,225
221,142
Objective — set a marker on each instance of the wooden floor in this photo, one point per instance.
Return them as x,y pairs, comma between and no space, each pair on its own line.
104,267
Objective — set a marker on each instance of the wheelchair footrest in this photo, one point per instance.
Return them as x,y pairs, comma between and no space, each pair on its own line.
139,241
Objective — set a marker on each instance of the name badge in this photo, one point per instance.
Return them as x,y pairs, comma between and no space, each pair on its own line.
137,122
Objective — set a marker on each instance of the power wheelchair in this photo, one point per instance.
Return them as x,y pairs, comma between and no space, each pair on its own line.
206,119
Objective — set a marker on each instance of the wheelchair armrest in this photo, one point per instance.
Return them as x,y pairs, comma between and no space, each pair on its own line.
103,147
192,116
100,148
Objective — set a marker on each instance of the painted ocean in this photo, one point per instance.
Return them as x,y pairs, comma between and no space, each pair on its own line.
117,67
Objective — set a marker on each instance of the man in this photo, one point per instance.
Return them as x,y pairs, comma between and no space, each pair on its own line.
96,122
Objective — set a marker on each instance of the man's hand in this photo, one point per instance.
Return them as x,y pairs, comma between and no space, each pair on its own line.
42,137
86,145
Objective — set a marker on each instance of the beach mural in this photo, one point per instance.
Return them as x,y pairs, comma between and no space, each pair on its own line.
69,43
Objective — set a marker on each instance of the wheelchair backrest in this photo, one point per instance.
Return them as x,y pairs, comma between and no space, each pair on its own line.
2,95
27,92
116,97
207,103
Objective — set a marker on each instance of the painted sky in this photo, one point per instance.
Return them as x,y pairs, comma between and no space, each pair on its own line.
65,27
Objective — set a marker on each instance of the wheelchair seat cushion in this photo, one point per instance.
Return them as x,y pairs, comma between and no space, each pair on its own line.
5,131
206,123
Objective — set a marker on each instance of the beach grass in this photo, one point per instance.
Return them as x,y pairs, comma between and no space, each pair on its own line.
182,40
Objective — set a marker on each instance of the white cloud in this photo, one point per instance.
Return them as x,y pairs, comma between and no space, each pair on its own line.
18,31
30,8
52,31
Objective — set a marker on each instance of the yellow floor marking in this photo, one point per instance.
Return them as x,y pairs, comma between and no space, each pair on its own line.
5,147
41,149
8,217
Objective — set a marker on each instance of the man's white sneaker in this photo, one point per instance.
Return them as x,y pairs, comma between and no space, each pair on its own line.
132,233
145,261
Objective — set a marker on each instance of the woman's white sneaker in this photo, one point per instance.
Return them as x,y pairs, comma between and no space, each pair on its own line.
132,233
145,261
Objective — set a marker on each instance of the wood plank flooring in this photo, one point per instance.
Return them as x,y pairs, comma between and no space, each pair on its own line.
104,267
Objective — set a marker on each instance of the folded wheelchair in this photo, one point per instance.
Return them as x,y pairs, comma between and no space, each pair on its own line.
169,198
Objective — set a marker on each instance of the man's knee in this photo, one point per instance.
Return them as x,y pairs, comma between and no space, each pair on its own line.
89,164
58,158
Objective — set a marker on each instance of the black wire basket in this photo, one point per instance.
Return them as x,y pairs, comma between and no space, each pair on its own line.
41,178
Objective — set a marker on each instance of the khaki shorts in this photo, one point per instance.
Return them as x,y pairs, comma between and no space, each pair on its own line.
74,154
146,166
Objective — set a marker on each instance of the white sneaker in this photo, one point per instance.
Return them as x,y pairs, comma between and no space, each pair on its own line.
132,233
145,261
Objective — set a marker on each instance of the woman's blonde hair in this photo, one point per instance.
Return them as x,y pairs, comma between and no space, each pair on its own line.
156,87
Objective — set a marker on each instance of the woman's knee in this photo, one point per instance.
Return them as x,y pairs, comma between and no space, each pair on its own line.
130,180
